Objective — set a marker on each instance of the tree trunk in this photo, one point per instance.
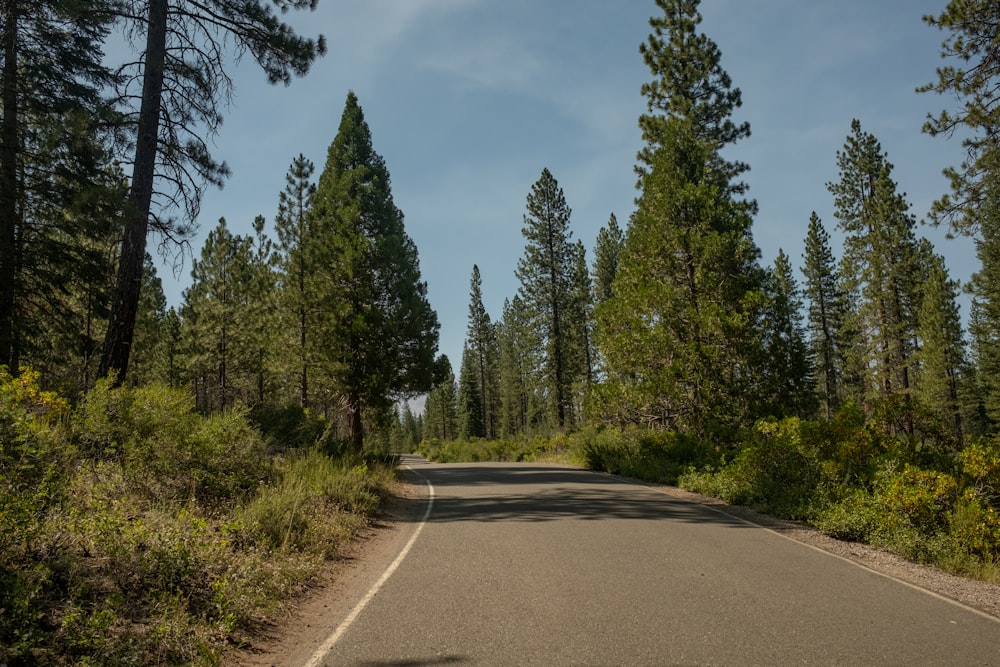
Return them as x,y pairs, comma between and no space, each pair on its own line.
357,427
125,304
8,193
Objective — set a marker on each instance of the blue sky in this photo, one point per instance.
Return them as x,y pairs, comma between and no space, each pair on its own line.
468,100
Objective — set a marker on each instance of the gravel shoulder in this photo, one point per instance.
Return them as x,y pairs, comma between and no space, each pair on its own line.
971,592
307,622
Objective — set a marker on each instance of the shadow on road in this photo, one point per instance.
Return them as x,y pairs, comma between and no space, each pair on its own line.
532,493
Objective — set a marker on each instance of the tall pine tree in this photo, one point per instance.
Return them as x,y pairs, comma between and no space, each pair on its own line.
825,318
679,340
546,274
881,255
383,333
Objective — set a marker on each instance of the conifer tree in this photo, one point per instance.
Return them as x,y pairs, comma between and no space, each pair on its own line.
984,327
690,84
172,93
441,407
470,402
789,388
58,188
383,334
149,363
211,313
973,43
825,316
607,254
261,326
942,351
546,274
298,257
582,322
881,253
677,339
520,359
680,339
482,345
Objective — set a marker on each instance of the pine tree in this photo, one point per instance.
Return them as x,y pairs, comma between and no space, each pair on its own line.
789,388
974,43
826,313
546,274
482,345
520,358
941,355
582,323
261,325
678,339
984,327
149,359
441,407
172,92
470,402
881,252
689,84
382,331
58,187
298,256
211,312
607,254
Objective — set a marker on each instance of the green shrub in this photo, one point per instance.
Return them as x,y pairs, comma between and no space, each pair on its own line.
856,517
651,455
288,426
922,497
975,524
170,452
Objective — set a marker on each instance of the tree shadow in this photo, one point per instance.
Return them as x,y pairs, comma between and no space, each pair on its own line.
556,493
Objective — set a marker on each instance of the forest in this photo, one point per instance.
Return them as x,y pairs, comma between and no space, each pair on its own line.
172,475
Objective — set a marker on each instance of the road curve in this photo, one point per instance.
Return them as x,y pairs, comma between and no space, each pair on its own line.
531,564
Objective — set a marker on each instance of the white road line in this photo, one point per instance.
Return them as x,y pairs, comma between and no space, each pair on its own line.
317,657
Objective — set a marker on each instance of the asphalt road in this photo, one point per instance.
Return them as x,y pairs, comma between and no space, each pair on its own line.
528,564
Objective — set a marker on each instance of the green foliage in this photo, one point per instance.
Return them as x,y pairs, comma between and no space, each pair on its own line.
288,426
137,530
317,505
970,77
168,451
658,456
679,341
551,298
380,333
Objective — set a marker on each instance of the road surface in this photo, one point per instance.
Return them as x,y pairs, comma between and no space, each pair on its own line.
530,564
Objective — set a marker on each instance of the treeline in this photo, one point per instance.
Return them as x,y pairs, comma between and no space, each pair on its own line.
847,392
331,315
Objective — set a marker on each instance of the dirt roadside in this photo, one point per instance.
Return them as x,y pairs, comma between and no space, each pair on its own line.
292,640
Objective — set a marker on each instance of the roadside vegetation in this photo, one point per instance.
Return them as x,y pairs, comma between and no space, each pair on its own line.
137,531
846,477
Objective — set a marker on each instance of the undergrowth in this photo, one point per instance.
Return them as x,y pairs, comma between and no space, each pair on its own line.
135,531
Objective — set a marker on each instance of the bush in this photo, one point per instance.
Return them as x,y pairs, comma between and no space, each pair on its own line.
776,471
655,456
168,451
288,426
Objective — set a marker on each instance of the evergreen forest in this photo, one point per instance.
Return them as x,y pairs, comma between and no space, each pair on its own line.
173,474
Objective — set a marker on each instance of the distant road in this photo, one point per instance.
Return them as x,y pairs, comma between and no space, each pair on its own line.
529,564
